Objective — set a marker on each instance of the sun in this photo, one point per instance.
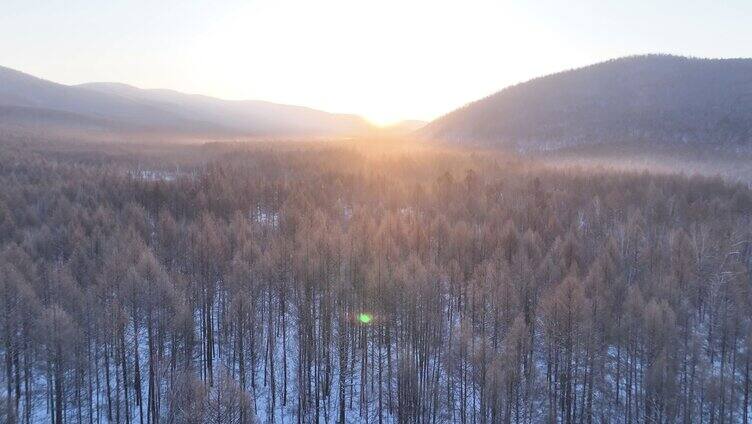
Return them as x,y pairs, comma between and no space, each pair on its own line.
381,120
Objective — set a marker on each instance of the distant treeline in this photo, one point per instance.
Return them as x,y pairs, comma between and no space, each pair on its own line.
330,283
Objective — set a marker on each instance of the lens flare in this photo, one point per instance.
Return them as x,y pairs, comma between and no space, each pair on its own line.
365,318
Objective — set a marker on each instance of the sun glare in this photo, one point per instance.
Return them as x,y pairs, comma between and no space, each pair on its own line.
382,121
351,65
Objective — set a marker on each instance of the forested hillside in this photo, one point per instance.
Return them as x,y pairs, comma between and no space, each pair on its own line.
34,107
657,100
333,283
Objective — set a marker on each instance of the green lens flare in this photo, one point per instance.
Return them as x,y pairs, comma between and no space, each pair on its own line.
365,318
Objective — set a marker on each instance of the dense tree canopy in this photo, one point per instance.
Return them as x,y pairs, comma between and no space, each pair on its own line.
227,286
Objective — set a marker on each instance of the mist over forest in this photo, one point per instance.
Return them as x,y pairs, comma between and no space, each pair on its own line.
366,282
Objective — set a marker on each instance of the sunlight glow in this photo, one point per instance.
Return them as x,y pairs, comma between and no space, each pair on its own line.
386,61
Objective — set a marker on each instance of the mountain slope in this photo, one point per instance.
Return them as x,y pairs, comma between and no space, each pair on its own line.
19,90
39,106
650,99
246,116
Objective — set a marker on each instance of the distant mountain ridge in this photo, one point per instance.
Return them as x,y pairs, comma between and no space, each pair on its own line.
32,104
648,99
244,116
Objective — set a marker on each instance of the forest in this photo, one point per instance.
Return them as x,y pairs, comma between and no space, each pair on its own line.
336,283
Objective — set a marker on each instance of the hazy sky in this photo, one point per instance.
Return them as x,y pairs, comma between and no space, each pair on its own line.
384,59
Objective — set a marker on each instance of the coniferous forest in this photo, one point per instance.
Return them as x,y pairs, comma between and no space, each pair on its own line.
333,283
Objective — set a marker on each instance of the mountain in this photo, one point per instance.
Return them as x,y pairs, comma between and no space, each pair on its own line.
120,111
644,99
245,116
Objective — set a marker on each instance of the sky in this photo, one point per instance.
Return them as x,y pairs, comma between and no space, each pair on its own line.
387,60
